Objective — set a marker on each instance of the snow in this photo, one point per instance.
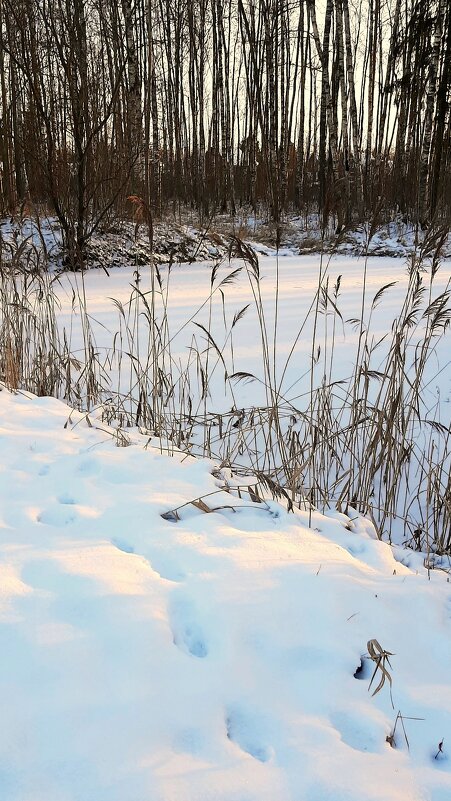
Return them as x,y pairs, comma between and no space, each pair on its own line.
153,650
124,243
292,281
207,658
289,282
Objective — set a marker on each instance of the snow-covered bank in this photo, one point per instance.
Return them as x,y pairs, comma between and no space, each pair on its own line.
354,350
187,239
209,659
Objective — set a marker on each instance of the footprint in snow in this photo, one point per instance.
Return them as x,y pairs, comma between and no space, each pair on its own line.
66,510
357,732
356,547
187,631
88,466
245,730
57,516
66,500
164,568
121,545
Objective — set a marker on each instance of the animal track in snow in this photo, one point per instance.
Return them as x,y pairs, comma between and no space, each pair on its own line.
356,549
187,632
356,731
165,568
122,545
88,466
245,730
66,500
57,516
64,512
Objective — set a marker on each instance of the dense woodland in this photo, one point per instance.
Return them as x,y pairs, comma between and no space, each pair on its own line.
340,107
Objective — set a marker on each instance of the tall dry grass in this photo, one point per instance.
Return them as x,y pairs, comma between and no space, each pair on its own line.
366,442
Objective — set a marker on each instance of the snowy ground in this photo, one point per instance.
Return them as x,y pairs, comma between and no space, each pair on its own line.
208,659
290,282
186,239
211,656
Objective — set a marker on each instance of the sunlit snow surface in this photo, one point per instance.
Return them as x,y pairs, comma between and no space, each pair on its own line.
298,331
209,659
288,284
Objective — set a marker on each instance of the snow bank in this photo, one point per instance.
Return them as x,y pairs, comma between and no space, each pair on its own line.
209,659
123,244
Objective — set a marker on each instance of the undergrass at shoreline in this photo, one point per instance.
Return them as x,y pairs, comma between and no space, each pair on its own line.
184,238
367,438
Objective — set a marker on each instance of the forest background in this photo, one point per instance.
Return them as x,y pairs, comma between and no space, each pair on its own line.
339,109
